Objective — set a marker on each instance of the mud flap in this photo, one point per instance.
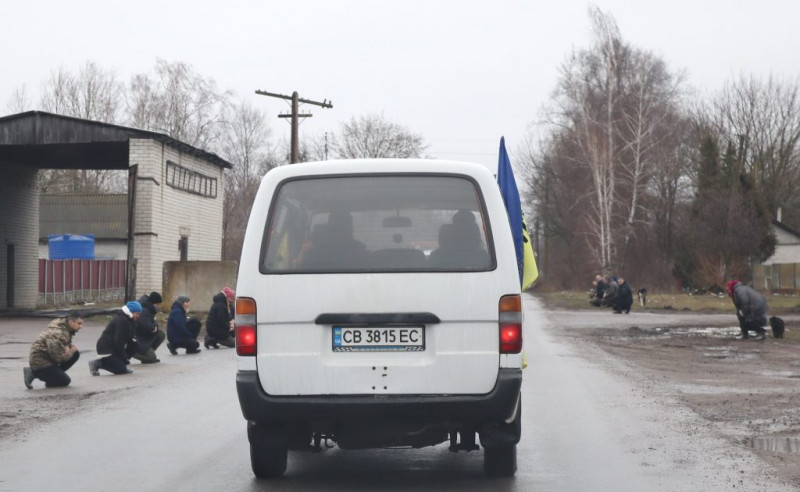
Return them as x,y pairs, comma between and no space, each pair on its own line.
502,433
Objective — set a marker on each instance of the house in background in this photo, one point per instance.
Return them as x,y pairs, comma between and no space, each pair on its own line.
781,271
103,216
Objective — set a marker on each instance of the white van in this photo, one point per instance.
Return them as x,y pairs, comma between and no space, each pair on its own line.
378,305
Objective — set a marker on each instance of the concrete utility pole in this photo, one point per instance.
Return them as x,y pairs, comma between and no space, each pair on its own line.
295,151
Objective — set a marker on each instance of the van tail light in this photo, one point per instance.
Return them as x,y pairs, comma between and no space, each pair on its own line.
510,324
245,326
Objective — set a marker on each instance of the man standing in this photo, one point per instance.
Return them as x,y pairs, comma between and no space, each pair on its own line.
148,334
53,353
751,309
112,347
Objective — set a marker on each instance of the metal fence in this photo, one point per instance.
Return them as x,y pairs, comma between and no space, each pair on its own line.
74,281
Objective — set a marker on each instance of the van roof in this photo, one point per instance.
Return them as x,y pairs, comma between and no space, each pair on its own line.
351,166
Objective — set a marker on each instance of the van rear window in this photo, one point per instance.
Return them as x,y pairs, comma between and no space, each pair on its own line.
377,223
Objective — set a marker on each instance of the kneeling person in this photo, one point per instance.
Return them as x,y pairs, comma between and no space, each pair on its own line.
220,320
116,341
148,335
53,353
180,332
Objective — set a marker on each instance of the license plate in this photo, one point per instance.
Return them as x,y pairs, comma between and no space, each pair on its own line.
378,338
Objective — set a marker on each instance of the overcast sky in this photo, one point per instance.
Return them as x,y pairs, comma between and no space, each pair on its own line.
460,73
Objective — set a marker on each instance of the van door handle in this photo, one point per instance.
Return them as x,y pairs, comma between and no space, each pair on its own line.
376,319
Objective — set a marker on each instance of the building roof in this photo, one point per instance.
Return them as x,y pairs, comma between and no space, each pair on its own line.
786,228
105,216
48,140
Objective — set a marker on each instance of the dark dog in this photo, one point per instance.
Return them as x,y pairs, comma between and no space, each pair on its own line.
777,326
642,296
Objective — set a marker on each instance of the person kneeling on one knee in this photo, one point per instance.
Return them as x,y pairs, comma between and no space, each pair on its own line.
53,352
117,341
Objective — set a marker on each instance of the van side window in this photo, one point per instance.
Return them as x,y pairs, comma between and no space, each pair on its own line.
377,223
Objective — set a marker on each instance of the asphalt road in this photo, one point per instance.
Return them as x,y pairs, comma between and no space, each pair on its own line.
587,425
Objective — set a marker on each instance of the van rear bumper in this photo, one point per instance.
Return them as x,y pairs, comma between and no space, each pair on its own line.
495,406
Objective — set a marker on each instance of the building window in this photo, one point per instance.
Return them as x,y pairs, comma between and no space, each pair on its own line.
181,178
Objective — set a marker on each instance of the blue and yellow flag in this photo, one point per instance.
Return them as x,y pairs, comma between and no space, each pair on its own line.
526,262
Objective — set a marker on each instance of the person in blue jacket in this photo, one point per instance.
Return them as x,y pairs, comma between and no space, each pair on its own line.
182,332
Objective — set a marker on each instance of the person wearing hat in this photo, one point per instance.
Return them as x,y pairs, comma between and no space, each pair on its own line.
148,336
219,323
53,352
180,332
751,309
116,342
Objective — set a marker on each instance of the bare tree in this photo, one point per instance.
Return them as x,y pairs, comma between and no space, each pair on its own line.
760,121
90,93
245,144
648,117
587,100
609,169
559,198
19,101
373,136
670,183
180,103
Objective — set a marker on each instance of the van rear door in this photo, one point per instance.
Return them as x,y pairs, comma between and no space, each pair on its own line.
380,283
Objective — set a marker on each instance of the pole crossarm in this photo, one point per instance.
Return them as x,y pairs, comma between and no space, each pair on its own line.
294,154
325,103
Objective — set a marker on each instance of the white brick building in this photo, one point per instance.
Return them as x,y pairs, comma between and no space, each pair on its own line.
19,236
178,197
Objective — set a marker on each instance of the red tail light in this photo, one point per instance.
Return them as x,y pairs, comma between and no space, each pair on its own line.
510,324
245,326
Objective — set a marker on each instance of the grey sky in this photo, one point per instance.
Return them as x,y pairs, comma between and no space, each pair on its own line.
461,73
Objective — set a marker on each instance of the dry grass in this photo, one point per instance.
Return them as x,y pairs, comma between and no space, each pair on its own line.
778,303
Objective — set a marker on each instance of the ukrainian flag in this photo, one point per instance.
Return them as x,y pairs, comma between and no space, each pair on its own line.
526,261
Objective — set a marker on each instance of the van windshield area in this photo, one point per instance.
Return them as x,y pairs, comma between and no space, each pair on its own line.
383,223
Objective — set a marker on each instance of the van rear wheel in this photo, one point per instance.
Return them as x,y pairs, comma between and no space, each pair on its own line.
268,461
500,461
268,450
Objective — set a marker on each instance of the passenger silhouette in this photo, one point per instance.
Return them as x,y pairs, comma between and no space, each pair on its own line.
460,244
333,244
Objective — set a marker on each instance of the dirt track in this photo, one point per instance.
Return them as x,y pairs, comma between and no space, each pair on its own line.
747,391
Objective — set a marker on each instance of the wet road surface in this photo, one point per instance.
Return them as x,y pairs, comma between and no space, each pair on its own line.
177,426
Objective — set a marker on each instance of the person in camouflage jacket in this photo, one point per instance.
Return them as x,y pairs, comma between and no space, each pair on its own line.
53,352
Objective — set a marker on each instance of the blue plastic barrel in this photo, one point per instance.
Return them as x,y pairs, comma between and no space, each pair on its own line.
71,246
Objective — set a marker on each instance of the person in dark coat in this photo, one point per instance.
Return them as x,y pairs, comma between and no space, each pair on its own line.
180,332
116,342
751,309
220,321
148,335
624,299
